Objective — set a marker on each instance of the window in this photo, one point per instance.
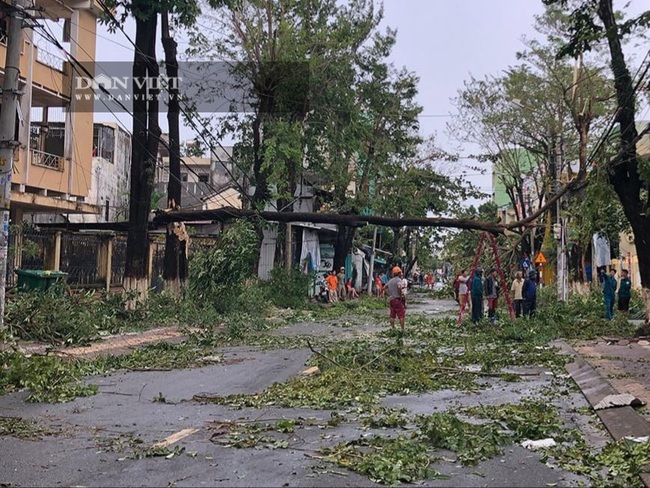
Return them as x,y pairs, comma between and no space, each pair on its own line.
204,178
103,142
4,28
184,177
47,137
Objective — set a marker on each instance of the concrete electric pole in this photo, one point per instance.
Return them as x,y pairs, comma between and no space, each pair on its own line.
371,269
8,142
560,228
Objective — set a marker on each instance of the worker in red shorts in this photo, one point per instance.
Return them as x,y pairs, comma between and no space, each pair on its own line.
396,294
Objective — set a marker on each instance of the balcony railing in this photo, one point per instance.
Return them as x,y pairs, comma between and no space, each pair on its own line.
49,59
46,160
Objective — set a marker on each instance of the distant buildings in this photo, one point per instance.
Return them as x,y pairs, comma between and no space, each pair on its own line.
206,182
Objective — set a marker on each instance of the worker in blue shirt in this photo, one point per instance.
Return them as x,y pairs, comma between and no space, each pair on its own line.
624,292
476,294
609,292
529,294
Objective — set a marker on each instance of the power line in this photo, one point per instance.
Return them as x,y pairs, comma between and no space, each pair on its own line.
188,117
164,143
51,38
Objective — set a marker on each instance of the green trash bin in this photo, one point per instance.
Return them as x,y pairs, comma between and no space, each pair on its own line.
38,279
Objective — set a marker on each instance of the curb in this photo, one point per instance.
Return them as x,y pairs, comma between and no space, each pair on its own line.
620,421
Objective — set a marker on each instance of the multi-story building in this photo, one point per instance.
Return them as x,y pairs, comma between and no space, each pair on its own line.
203,180
111,174
53,161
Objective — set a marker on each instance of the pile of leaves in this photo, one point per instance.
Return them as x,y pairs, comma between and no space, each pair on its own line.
407,458
48,378
62,317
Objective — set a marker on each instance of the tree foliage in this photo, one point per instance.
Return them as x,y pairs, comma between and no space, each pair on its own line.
218,274
352,129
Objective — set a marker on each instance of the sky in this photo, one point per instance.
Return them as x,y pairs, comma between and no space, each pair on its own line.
442,41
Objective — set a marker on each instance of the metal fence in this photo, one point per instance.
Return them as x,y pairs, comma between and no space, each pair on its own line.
80,255
34,245
79,258
118,263
157,264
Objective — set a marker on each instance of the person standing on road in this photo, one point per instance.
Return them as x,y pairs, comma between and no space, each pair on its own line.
476,292
517,297
624,293
404,284
379,286
492,294
429,280
463,291
396,304
529,294
457,289
332,284
609,292
340,284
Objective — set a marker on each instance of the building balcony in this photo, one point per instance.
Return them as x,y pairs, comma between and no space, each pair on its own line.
50,75
45,160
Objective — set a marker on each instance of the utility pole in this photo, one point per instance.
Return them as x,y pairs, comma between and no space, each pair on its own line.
560,230
8,142
372,262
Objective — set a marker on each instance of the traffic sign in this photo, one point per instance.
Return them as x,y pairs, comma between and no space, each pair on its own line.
540,258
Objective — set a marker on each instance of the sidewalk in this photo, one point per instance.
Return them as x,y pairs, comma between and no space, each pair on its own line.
623,363
611,366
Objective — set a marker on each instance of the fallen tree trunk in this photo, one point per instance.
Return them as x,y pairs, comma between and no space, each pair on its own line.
327,218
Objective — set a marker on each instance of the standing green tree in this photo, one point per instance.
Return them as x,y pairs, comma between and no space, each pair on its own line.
540,114
595,21
298,59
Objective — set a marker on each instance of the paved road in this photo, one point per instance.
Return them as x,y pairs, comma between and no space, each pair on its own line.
89,446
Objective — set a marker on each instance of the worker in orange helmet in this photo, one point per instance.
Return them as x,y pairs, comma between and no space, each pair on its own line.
396,294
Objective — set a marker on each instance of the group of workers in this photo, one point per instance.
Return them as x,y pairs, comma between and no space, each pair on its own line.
472,291
609,292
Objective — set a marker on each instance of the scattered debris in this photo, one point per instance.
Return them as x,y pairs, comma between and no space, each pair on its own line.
639,440
174,438
311,371
539,444
210,359
614,401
